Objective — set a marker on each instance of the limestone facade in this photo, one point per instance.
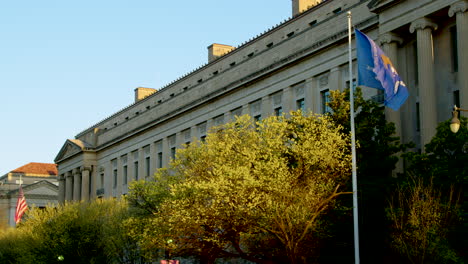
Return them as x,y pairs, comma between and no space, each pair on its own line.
290,66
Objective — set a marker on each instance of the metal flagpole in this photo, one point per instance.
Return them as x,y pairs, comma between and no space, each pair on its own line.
353,147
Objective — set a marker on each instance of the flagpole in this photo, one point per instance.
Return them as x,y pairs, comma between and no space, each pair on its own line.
353,147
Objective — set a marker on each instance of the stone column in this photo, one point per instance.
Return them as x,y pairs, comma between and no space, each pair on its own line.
69,186
288,100
85,172
61,192
336,80
310,90
77,184
267,107
427,90
459,9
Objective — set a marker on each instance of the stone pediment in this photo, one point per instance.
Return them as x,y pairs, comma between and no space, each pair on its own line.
377,6
39,188
70,148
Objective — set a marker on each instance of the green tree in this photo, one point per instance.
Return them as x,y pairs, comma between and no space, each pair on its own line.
376,157
421,220
74,233
255,186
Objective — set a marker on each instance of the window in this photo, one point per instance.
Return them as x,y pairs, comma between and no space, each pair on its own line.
269,45
160,157
135,170
202,130
115,178
300,104
173,152
114,172
102,180
136,156
147,167
219,120
454,46
325,98
278,111
125,174
257,118
290,34
124,169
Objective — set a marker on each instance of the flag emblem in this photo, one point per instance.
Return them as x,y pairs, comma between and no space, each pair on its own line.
375,70
21,206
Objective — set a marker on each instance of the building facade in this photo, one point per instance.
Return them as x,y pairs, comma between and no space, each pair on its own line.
40,188
291,66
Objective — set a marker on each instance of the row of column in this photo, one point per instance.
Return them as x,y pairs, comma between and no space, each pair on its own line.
75,185
423,28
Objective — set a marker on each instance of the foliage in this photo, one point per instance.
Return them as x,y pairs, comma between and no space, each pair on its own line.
74,233
251,187
444,163
377,153
445,156
421,218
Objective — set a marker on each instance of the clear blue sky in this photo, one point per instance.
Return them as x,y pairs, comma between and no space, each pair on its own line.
66,65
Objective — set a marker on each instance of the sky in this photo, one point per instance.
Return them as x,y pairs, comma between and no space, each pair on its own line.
66,65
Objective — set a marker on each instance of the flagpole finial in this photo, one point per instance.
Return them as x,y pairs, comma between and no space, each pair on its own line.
349,13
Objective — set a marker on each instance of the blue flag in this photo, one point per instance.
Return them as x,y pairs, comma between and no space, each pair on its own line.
375,70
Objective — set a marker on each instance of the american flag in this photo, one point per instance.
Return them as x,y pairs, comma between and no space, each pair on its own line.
21,206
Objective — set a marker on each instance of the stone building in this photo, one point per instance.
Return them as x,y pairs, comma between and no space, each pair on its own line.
291,66
40,188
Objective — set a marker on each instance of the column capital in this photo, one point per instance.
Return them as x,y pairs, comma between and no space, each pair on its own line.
76,171
390,37
458,7
68,174
85,168
61,177
422,23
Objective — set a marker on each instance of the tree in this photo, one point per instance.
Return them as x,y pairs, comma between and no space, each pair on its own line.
74,233
253,186
444,165
376,157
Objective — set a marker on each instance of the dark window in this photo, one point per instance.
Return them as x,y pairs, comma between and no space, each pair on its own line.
147,166
313,23
290,34
125,174
135,169
173,152
115,178
456,98
453,39
269,45
337,11
325,97
278,111
300,104
160,157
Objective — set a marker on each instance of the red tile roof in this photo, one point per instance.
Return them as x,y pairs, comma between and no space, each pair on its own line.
38,168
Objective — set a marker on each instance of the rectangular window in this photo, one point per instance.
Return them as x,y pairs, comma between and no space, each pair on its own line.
325,98
102,180
147,167
125,174
257,118
236,112
114,172
454,46
278,111
300,104
135,170
115,178
173,152
160,160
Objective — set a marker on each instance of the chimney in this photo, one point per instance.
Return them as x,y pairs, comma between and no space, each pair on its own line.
142,92
217,50
299,6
